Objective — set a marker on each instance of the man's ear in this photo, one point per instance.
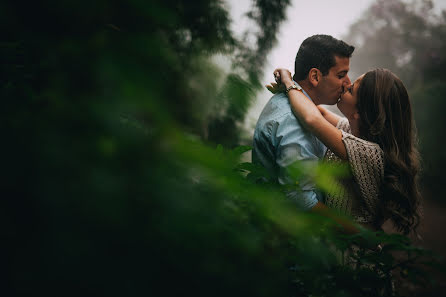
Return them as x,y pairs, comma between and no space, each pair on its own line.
314,76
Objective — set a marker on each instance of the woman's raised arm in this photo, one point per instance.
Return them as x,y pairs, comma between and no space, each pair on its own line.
311,117
331,117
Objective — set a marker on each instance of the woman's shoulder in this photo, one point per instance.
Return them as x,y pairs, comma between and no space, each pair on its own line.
343,125
363,155
351,140
359,143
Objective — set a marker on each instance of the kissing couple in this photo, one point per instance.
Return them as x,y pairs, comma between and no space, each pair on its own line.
375,137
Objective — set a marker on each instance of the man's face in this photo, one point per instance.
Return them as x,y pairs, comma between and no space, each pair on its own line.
332,85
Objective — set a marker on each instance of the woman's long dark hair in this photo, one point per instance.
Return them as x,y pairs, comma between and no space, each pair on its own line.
386,118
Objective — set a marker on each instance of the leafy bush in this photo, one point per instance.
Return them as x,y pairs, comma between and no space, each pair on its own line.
112,185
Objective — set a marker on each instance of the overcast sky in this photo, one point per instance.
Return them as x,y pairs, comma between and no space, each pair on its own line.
304,18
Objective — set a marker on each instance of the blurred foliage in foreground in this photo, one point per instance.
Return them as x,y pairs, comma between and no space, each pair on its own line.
112,185
409,38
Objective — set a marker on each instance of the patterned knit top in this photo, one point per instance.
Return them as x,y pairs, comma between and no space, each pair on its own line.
358,195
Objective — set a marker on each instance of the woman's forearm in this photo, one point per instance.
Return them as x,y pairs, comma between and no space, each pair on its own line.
303,108
310,116
331,117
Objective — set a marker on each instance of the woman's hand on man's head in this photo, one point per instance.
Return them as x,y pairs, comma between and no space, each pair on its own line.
282,77
276,88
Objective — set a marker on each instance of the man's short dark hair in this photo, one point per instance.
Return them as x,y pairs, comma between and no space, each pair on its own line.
319,51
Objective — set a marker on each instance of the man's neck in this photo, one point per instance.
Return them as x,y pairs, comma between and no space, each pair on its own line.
309,89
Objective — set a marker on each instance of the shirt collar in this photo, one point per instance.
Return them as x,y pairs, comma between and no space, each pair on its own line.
306,94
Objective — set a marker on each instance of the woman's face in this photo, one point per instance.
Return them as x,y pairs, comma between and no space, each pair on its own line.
349,100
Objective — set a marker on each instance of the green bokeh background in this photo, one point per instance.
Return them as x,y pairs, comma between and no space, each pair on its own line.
113,183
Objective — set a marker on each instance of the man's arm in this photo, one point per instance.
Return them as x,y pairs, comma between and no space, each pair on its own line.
347,226
295,143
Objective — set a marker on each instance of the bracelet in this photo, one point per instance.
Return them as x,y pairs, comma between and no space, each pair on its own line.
293,86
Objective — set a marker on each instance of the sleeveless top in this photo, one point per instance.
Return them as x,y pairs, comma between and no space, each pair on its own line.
359,194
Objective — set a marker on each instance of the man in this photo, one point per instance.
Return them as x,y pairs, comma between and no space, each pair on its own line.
321,68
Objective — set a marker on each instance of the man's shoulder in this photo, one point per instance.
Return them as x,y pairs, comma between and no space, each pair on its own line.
279,99
276,108
278,120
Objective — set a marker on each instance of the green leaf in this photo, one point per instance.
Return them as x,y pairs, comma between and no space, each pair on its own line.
241,149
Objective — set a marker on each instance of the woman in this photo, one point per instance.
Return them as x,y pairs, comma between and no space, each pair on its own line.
377,139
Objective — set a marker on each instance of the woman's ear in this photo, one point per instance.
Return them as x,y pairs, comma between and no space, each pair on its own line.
356,115
314,76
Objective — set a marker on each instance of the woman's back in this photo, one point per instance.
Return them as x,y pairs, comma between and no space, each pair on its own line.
358,195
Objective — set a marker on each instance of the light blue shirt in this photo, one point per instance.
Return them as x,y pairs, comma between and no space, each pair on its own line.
280,140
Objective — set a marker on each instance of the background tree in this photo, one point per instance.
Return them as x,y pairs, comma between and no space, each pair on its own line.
113,181
410,39
109,188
